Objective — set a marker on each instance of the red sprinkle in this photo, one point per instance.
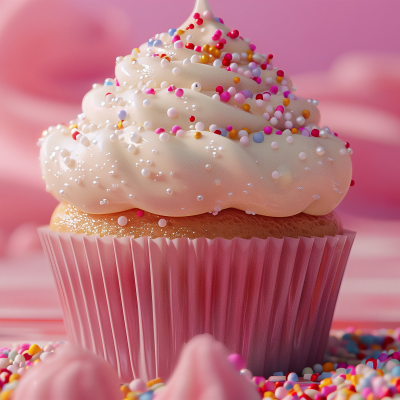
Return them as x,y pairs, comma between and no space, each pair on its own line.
192,118
264,66
140,213
259,96
189,46
315,132
75,134
280,73
219,46
199,21
219,89
233,34
352,184
196,15
226,62
347,145
270,56
217,131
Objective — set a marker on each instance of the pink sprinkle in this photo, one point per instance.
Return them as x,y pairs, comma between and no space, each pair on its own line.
229,128
159,130
221,20
228,68
215,38
225,96
240,98
116,82
267,130
150,91
140,213
219,89
223,41
280,108
228,56
335,133
278,133
218,32
24,346
171,88
286,94
179,92
274,89
175,38
207,14
197,48
176,128
252,47
258,80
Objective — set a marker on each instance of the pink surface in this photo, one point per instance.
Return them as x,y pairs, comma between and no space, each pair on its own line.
136,302
69,374
204,373
52,62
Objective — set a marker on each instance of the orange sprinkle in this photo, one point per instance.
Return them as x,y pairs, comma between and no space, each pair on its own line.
246,107
236,79
286,102
279,79
247,130
233,134
294,131
250,52
306,114
154,382
120,124
197,135
250,57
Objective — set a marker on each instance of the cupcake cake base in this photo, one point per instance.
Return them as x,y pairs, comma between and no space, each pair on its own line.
135,302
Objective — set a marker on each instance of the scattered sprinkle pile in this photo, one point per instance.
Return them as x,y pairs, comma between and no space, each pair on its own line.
357,366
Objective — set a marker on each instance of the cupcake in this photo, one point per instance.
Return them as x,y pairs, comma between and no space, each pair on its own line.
197,195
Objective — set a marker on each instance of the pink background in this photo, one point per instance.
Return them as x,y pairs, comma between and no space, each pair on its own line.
344,53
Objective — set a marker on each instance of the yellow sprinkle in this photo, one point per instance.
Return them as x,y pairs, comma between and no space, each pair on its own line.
326,382
6,395
197,135
180,32
73,126
36,361
131,396
297,387
250,52
354,379
120,124
156,380
205,58
34,349
124,389
246,107
250,57
286,102
206,48
14,377
233,134
136,49
216,53
269,394
236,79
306,114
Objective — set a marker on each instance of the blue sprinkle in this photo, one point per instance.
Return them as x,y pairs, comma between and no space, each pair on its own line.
216,19
395,371
347,336
277,374
352,347
146,395
108,82
122,114
367,339
258,137
224,132
247,93
157,43
324,375
256,72
171,32
293,377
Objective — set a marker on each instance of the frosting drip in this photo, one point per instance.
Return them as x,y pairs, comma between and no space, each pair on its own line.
187,128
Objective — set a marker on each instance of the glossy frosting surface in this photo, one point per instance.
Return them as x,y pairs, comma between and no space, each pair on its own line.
137,145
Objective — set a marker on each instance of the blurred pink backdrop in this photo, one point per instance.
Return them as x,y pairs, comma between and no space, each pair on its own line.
346,54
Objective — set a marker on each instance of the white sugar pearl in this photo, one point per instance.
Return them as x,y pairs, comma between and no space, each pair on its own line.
289,124
269,109
186,62
152,83
135,137
235,57
232,91
164,63
288,116
242,133
176,71
122,221
268,80
323,133
275,145
180,133
217,63
145,172
302,156
147,124
244,140
266,116
67,161
147,103
199,126
320,150
162,222
286,132
260,102
113,137
277,114
273,121
216,97
300,120
131,148
275,175
189,38
164,85
289,139
84,141
164,137
196,86
172,112
195,59
343,152
213,128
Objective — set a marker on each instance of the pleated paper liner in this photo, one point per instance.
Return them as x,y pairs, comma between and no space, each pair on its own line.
136,302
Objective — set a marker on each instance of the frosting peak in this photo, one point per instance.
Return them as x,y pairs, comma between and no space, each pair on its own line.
197,121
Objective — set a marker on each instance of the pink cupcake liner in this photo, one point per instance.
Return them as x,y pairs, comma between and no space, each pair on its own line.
136,302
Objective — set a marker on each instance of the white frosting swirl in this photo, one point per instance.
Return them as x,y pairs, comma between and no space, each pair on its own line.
119,162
